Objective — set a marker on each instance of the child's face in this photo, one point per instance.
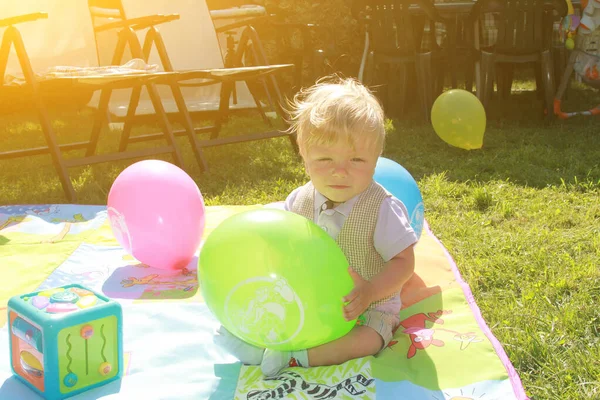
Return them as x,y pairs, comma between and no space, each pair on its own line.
339,171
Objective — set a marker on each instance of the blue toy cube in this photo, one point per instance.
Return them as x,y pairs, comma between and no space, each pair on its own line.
66,340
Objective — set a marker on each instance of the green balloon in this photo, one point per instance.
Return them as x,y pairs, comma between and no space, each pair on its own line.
276,280
458,118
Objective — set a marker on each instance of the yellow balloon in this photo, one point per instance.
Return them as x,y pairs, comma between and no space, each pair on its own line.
458,118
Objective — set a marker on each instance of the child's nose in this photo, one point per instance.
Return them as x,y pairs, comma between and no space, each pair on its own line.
340,170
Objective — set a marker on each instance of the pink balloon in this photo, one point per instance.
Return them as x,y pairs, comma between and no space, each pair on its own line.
156,212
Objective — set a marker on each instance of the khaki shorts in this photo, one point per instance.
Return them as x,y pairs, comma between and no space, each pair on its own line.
382,323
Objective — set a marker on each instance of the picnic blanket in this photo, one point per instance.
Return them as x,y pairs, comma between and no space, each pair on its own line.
443,348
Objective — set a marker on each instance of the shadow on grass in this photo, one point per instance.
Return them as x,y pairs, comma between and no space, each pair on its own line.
518,146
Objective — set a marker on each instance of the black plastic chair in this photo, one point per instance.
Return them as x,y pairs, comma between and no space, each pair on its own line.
394,35
524,37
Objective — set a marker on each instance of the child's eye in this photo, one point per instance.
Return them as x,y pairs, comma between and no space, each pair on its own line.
324,159
356,159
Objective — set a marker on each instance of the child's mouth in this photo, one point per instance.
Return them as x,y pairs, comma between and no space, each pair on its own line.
339,186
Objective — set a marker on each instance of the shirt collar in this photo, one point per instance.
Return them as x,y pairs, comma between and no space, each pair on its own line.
343,208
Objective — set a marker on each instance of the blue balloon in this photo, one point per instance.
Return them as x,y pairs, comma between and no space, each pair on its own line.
399,182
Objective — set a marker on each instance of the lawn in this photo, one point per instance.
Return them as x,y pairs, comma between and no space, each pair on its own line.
521,217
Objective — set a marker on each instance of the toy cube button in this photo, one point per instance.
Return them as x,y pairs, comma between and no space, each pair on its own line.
105,368
40,302
64,297
81,292
87,301
70,380
55,308
87,331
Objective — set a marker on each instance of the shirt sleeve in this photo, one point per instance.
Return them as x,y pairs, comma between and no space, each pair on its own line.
393,232
290,199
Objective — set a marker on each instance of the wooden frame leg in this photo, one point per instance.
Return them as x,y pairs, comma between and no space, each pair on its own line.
154,36
134,100
99,119
13,37
163,119
270,84
223,114
188,125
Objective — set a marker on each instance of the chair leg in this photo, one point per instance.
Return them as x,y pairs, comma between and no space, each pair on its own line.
548,79
380,81
254,50
487,76
371,79
539,80
163,120
402,84
439,80
57,159
99,118
13,37
559,58
479,78
500,78
437,83
369,69
298,61
424,81
470,74
189,127
452,60
130,118
505,75
254,88
318,64
223,114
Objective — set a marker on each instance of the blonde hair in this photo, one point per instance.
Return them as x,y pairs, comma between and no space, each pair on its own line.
336,109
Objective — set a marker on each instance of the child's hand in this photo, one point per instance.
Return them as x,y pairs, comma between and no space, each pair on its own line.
360,298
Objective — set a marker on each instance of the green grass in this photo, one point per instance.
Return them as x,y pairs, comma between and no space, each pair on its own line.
521,217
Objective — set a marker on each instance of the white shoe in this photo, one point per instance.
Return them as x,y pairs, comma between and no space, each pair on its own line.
245,352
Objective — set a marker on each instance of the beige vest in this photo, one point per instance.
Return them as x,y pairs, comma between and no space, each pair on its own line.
356,236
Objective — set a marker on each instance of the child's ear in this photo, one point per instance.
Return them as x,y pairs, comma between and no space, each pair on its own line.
301,152
302,155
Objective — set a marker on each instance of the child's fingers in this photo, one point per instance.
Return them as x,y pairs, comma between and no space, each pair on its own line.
349,316
351,296
353,309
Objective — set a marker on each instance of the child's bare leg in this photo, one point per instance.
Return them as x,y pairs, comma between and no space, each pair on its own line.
361,341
